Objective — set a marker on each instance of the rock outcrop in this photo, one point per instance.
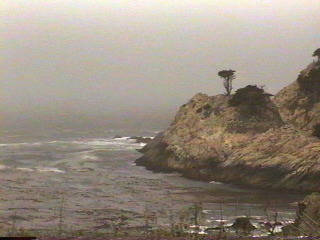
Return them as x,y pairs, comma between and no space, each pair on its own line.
307,222
299,103
243,138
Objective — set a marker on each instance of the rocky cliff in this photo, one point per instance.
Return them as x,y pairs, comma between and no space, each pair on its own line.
246,138
299,103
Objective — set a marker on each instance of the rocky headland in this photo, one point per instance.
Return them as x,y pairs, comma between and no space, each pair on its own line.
248,138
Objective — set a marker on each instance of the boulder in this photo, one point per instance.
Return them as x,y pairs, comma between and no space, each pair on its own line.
243,224
307,222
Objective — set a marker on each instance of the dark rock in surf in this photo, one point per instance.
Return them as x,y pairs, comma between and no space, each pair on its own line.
243,224
139,139
117,136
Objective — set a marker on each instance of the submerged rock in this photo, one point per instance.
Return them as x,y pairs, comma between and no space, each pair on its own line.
243,224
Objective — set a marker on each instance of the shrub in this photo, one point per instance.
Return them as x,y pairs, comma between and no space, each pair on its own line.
310,83
250,95
316,130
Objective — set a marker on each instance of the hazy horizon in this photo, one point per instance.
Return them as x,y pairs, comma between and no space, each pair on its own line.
143,59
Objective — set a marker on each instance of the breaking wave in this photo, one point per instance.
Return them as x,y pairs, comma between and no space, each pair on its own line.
114,144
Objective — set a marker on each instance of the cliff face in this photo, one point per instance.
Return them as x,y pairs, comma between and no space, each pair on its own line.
205,131
299,103
243,140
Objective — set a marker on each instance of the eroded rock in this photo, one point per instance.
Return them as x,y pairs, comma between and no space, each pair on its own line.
211,140
307,222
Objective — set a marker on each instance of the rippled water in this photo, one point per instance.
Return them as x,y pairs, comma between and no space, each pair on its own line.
91,182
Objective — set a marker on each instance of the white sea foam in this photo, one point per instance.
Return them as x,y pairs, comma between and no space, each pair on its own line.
215,182
3,167
221,220
21,144
88,156
47,169
122,138
25,169
114,144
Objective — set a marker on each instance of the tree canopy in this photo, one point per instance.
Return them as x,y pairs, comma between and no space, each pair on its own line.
250,95
228,76
317,54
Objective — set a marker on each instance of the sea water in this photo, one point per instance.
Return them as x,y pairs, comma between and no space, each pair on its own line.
87,180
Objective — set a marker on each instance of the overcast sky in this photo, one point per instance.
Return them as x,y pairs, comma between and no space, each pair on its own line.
115,56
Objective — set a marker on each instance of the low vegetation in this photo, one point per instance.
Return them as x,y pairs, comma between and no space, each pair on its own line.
317,54
310,83
316,130
309,80
250,95
251,98
188,223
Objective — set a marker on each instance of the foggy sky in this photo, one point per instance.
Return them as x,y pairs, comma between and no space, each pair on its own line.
101,57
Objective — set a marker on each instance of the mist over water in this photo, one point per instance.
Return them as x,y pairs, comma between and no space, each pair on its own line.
46,127
145,57
78,72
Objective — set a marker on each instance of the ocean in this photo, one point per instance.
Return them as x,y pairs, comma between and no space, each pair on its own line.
75,179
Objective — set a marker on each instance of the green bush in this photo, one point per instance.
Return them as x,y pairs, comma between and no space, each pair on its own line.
310,84
250,95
